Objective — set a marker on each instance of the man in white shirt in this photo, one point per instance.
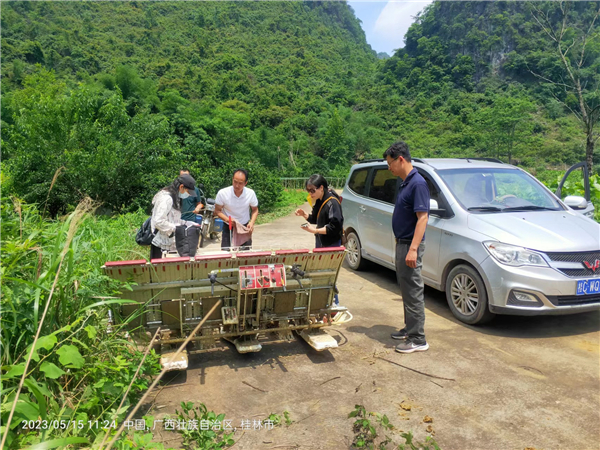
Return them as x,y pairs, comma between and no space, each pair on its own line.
236,201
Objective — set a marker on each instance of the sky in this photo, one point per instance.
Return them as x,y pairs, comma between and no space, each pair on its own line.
386,23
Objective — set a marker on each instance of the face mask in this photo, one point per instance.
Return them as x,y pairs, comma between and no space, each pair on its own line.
184,195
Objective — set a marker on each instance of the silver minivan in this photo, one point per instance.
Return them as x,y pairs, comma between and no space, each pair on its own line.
497,240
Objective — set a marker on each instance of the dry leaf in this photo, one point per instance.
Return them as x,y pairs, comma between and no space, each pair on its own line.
427,419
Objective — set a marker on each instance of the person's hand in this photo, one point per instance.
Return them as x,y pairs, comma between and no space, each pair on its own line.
300,212
411,258
310,228
198,209
250,226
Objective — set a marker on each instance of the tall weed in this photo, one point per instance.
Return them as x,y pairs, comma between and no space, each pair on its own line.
79,371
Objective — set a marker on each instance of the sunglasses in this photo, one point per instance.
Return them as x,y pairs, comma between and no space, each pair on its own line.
311,190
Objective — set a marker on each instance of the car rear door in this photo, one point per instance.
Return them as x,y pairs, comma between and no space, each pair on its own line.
377,237
353,197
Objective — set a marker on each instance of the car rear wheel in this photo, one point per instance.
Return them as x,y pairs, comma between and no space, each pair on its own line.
466,295
353,256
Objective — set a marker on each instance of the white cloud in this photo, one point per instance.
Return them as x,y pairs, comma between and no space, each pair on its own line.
394,21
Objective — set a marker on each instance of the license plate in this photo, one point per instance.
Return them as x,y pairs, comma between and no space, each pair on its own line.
587,287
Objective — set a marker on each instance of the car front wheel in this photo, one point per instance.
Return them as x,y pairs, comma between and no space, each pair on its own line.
466,295
353,256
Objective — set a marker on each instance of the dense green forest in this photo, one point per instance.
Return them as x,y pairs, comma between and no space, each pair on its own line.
486,79
110,99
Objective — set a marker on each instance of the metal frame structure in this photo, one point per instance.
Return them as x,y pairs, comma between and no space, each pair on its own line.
176,293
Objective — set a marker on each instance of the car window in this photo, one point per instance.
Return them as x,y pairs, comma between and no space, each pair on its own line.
435,193
358,181
383,186
521,187
497,189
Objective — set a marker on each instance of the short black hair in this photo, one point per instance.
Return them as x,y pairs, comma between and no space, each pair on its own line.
397,149
244,171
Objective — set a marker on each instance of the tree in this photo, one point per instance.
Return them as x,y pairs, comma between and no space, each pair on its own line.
334,141
65,144
506,124
579,88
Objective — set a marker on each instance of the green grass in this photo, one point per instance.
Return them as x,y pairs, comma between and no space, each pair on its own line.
54,301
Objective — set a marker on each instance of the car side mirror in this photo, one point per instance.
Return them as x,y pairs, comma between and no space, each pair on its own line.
435,210
575,202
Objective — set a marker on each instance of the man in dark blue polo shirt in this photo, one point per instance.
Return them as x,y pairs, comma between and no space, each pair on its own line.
408,223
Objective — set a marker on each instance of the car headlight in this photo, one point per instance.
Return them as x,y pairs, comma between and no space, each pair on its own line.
514,256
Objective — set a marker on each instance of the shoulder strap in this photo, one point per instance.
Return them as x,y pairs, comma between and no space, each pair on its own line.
319,213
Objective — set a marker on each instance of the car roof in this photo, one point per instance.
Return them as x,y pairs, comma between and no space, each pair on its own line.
446,163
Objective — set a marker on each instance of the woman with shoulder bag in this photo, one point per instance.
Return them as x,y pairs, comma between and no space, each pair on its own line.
326,220
166,214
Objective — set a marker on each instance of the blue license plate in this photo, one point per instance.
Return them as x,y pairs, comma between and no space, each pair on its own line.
587,287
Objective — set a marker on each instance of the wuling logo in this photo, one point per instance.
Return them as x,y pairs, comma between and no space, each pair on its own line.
592,267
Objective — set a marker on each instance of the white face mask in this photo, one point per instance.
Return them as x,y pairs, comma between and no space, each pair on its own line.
184,195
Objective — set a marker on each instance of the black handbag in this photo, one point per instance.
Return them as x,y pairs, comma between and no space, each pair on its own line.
186,239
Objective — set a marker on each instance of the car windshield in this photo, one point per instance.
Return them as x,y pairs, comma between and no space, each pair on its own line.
498,190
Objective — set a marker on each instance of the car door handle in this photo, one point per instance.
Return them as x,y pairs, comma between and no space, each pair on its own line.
362,208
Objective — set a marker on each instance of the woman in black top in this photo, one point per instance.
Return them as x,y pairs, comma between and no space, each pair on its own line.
326,218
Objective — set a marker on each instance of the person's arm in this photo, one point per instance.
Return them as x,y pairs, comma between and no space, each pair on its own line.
199,205
254,208
160,213
411,256
219,204
250,225
221,215
333,227
421,209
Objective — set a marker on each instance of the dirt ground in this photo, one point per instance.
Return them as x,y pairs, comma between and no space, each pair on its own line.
516,383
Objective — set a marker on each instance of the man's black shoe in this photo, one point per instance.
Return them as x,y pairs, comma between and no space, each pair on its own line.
400,335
